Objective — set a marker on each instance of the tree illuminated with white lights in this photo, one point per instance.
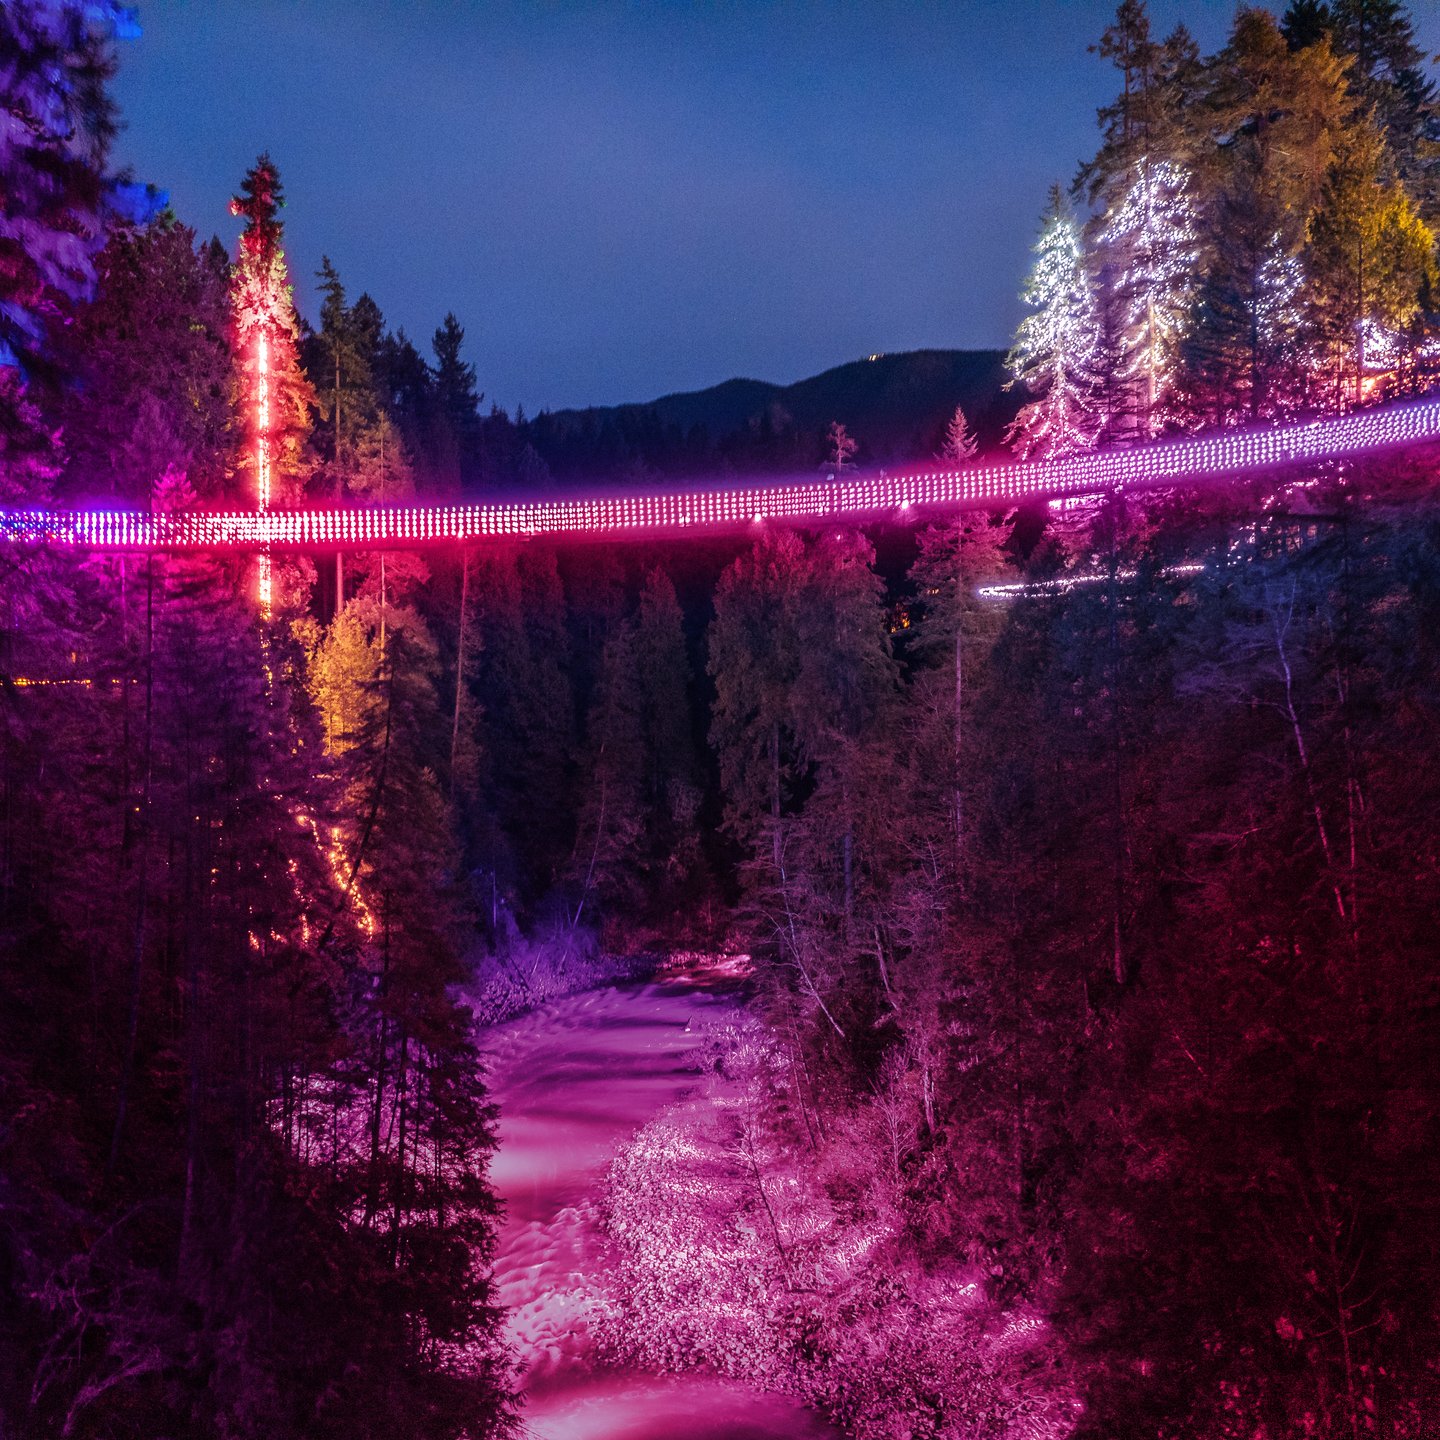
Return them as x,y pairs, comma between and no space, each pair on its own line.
1056,348
1151,242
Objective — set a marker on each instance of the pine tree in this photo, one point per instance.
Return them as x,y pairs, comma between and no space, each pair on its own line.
266,345
608,865
527,718
1369,258
673,774
55,60
960,444
1055,347
343,384
1244,359
1150,119
154,364
1282,113
954,560
754,664
1150,243
1387,76
457,407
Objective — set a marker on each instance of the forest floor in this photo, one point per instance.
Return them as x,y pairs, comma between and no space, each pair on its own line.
576,1078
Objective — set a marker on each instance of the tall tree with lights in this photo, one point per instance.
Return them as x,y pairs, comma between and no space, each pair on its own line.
1055,350
275,396
1150,240
1282,112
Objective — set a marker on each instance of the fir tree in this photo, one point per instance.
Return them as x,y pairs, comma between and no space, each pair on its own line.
1369,258
457,406
55,60
1279,115
1387,76
1149,120
1055,348
153,357
266,344
960,444
1150,243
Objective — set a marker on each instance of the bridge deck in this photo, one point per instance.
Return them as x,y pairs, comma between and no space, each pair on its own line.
671,511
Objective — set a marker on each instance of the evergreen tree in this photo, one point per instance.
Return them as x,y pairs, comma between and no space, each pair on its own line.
1246,357
266,345
1279,116
960,444
1387,78
457,405
1369,258
1055,348
58,59
154,364
340,376
527,719
754,664
55,60
1149,121
1149,241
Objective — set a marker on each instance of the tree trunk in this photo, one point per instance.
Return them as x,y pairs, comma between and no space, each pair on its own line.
775,798
958,796
459,666
1118,964
142,884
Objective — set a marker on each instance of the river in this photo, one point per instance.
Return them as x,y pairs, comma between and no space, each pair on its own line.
574,1080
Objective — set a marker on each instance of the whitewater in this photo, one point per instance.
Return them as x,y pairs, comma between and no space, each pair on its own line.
575,1079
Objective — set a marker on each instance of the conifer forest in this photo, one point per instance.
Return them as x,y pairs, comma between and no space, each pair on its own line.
904,971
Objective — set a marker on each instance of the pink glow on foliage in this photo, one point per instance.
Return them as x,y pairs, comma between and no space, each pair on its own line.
1213,456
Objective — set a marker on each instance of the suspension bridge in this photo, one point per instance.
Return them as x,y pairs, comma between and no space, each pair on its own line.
913,494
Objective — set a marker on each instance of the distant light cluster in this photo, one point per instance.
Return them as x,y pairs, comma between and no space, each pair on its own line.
1229,453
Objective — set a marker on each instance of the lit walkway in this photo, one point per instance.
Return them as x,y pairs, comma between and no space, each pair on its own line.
910,493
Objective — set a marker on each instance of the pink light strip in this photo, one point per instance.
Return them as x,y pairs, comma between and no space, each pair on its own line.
1214,456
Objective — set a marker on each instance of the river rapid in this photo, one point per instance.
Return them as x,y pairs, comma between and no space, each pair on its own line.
574,1080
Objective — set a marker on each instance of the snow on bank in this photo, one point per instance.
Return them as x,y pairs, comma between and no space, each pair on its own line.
732,1255
575,1080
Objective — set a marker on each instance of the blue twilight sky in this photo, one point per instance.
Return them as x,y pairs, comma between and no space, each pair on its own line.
624,199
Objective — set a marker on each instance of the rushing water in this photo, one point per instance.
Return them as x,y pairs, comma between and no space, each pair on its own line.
574,1080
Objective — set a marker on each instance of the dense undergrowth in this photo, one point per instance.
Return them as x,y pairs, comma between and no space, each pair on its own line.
747,1248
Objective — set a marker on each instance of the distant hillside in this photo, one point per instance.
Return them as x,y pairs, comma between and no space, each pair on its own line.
896,406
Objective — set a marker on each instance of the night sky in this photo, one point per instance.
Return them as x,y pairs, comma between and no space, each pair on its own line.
624,200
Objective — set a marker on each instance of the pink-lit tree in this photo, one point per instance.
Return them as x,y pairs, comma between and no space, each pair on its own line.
960,445
275,394
840,448
275,397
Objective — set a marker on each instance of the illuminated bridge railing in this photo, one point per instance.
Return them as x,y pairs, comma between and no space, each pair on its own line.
1228,453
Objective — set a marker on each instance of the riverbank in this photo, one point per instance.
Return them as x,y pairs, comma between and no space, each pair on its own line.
576,1079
